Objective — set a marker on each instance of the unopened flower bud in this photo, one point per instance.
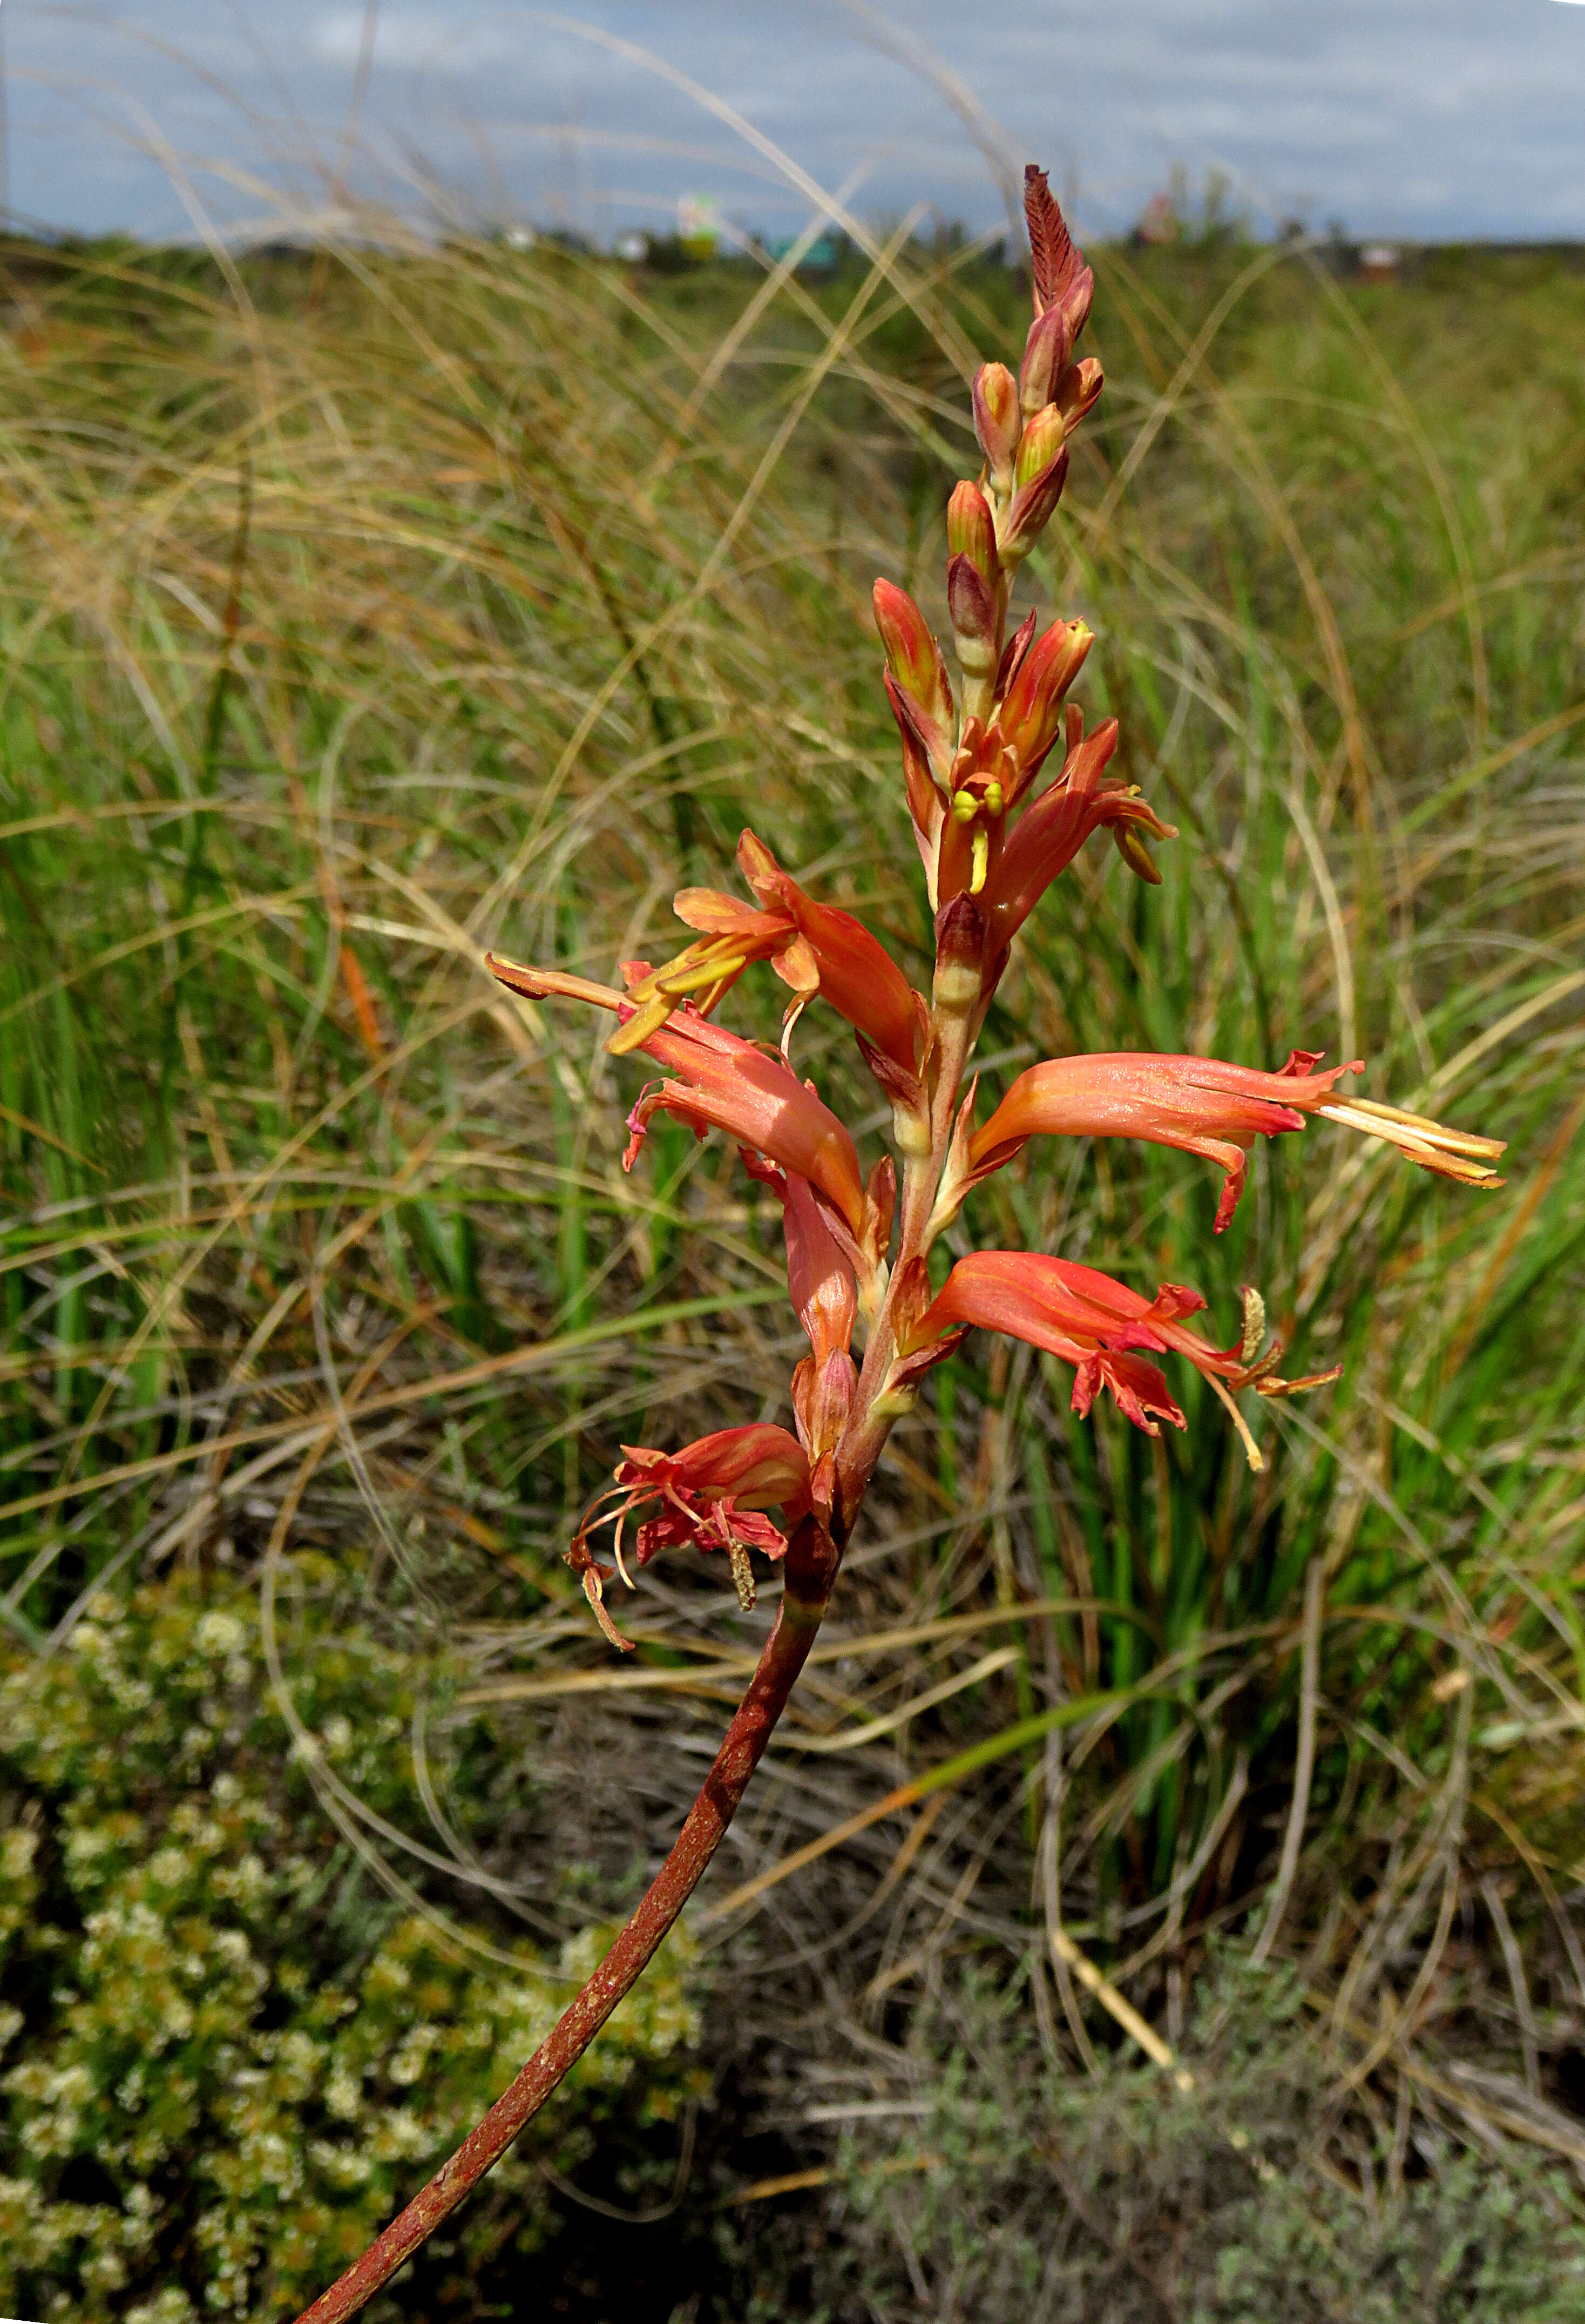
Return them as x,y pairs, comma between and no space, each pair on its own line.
1039,444
912,654
1076,302
1078,390
1031,710
1042,470
975,625
970,532
997,420
1046,351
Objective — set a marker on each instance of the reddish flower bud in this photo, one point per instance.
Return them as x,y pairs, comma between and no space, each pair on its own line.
997,420
1054,262
1046,351
1031,711
914,661
971,531
974,623
1039,445
1012,660
1078,390
1076,302
1030,509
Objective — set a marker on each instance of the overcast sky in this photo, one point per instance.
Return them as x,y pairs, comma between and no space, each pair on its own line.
1422,118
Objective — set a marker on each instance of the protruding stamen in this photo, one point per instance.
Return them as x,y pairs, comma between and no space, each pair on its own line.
683,977
1252,1451
1452,1153
743,1575
1254,1325
965,807
993,797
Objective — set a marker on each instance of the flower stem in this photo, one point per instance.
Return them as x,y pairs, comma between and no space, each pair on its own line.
810,1570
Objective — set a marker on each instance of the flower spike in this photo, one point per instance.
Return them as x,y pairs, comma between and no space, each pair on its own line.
990,845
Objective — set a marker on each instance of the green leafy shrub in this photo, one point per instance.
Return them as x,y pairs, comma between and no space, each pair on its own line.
1258,2195
226,2062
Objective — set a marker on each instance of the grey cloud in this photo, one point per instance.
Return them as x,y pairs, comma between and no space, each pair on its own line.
1420,118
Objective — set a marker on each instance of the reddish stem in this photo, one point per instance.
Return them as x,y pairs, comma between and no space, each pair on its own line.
812,1560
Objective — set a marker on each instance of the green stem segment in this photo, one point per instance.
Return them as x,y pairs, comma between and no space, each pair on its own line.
810,1569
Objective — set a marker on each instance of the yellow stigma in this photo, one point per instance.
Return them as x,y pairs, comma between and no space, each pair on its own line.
981,857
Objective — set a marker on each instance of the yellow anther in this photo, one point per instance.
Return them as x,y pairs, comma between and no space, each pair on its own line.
981,857
993,797
965,807
683,976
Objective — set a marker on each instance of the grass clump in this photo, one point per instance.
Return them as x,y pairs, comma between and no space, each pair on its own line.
1251,2198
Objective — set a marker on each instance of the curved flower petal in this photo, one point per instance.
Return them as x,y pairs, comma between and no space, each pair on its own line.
1208,1107
858,975
1199,1104
758,1467
1051,832
1099,1325
727,1084
713,1494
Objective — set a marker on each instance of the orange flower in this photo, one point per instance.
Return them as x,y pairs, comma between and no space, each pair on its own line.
727,1084
724,1083
817,949
712,1493
1096,1325
1205,1107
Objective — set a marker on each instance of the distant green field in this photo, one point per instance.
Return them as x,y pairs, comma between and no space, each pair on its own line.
359,615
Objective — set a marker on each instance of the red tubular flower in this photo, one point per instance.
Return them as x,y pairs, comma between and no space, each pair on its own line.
712,1493
1097,1324
817,949
821,1288
1050,832
820,1274
727,1084
1205,1107
1086,1318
